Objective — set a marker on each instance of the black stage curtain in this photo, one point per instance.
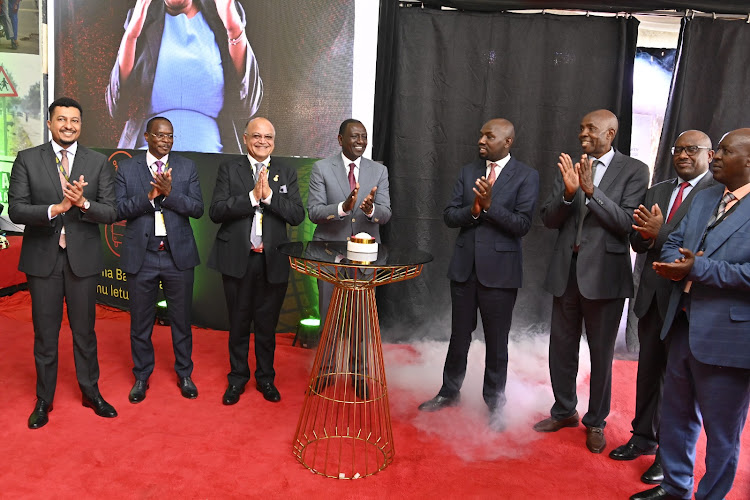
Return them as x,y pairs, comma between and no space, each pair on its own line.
709,86
452,72
723,7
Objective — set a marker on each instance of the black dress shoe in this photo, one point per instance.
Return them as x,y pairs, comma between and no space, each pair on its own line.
653,494
439,402
654,474
187,387
232,394
38,417
100,407
269,391
552,425
630,451
138,392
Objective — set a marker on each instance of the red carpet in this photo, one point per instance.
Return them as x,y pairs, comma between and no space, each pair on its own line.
170,447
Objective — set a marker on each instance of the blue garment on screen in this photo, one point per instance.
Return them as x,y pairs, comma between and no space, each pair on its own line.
189,83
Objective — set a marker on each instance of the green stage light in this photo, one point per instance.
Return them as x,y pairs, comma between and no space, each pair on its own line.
307,332
162,304
161,313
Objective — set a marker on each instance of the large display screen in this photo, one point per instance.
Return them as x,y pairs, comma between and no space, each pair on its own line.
127,61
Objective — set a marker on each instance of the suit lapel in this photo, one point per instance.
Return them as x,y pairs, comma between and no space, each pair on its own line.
682,210
50,166
505,174
245,173
613,170
144,174
720,233
341,176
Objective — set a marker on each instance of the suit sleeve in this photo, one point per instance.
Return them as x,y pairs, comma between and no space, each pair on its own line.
189,204
618,218
20,207
103,209
289,207
318,209
458,214
226,207
554,211
382,201
518,221
129,206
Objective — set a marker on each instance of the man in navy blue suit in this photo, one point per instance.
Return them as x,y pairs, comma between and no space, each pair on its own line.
493,204
157,193
706,327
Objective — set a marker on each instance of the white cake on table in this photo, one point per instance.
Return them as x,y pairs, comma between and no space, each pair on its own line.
362,248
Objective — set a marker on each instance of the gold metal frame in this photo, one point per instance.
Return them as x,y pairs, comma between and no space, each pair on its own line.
344,429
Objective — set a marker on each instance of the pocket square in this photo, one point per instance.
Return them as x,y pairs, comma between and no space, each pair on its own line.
282,189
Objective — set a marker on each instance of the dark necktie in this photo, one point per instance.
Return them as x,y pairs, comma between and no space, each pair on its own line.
677,200
352,180
584,209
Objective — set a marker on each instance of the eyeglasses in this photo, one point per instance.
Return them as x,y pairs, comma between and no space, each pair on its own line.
161,136
690,150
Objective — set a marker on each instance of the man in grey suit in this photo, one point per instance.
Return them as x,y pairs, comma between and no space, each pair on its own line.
691,156
591,206
335,184
157,193
62,192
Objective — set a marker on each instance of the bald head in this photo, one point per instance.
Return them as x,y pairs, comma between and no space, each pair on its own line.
732,159
259,138
692,154
496,138
598,130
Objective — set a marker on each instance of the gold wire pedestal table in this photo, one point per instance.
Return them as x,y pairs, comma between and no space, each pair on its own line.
344,429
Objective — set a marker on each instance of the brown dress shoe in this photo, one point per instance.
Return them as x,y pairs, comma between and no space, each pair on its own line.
552,425
595,441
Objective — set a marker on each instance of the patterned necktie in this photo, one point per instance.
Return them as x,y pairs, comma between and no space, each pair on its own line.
352,180
677,200
159,166
65,162
721,209
256,240
63,181
493,176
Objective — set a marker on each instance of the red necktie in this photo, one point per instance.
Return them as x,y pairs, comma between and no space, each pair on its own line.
677,200
493,175
352,180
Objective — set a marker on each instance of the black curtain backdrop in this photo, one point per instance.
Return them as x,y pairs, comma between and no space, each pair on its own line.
724,6
452,71
710,84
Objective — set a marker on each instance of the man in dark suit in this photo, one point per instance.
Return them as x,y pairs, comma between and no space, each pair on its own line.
706,327
493,203
691,156
254,200
62,191
335,184
157,193
591,206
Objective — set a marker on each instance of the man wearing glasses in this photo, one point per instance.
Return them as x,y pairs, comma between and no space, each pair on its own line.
662,211
157,193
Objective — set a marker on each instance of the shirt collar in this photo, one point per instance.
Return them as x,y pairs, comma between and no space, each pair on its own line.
606,158
347,161
253,161
72,149
740,192
694,181
500,163
151,159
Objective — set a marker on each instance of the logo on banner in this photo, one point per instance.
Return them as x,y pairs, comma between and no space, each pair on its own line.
116,232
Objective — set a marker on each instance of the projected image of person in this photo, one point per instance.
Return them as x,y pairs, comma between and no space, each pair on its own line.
188,61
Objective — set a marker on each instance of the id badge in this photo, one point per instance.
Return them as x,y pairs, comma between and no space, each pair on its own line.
258,223
160,229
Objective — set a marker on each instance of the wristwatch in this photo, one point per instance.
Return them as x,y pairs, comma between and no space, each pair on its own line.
86,205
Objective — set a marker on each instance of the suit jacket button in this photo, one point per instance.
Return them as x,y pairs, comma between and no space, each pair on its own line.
354,220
